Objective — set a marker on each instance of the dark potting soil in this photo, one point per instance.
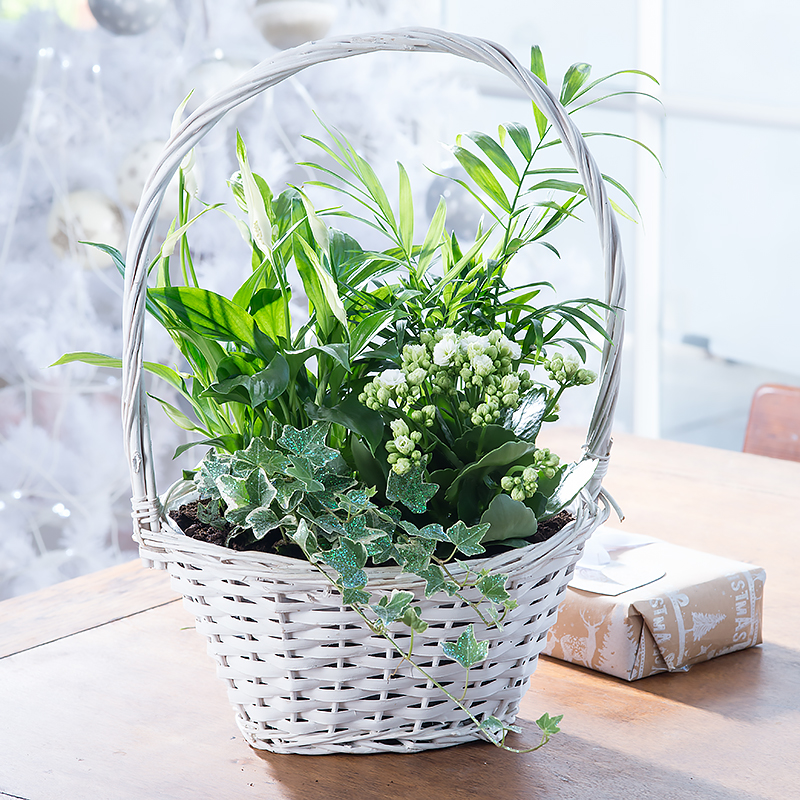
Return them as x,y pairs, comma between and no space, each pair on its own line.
187,520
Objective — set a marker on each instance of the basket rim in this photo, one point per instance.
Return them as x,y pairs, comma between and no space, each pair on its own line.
136,429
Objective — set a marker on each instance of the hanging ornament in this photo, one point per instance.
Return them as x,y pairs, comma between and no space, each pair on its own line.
127,17
288,23
132,174
463,212
211,76
85,216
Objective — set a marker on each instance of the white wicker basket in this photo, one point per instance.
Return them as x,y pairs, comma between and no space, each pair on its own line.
304,674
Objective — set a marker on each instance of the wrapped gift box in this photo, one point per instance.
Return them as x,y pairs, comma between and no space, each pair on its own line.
638,606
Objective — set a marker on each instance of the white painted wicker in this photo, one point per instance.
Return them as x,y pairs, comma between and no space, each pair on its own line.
304,673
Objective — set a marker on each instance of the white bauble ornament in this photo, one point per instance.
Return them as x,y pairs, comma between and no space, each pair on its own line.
211,76
127,17
132,174
85,216
288,23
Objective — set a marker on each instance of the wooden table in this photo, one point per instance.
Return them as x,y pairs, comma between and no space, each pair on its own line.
106,693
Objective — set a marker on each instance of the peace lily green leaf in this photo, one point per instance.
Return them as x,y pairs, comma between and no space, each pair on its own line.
390,608
340,352
493,587
347,560
353,415
254,389
229,441
410,489
508,519
208,314
468,539
176,416
467,651
268,308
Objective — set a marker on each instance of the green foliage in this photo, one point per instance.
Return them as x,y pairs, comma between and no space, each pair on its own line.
399,424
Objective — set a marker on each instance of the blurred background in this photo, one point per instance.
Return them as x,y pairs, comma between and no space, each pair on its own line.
87,93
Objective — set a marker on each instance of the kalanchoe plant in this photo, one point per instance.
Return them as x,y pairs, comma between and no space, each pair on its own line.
398,424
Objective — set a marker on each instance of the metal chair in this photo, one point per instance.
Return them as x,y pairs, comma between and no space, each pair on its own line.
773,428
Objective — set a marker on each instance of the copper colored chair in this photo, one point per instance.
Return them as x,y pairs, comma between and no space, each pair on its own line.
774,425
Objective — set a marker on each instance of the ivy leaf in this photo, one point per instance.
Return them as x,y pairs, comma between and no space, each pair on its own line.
410,489
305,538
308,444
259,455
412,618
433,531
495,728
242,495
382,550
333,484
348,560
289,492
548,724
467,651
262,521
493,588
355,596
435,581
416,554
467,540
388,609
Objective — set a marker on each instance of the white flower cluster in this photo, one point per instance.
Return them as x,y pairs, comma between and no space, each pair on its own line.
522,482
402,450
477,374
568,371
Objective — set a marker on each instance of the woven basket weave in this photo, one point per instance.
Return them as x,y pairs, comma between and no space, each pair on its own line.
304,674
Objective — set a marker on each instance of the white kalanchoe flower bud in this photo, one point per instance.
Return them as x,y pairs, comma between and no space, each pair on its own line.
482,365
404,445
399,427
417,377
444,351
391,379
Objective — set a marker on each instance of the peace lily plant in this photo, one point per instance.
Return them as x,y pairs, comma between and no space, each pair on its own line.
398,423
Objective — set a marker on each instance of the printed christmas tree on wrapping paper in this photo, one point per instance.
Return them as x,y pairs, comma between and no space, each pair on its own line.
703,623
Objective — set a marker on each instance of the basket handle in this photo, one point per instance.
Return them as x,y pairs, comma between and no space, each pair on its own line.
136,430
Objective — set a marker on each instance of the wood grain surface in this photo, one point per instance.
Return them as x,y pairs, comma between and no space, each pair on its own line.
132,708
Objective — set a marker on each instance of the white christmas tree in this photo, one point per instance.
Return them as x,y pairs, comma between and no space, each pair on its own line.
703,623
